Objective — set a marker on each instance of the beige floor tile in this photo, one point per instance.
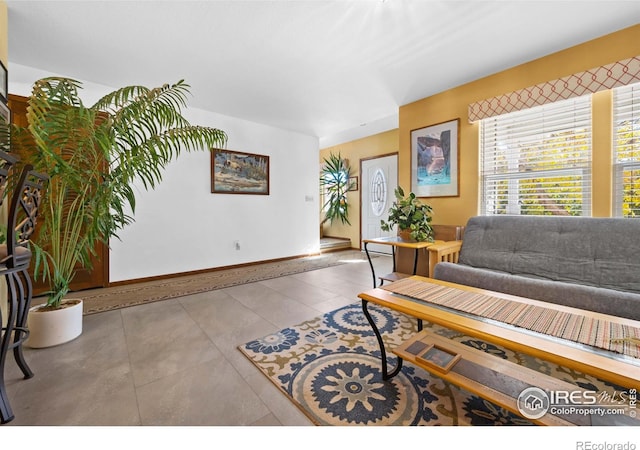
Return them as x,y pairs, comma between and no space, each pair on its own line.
162,339
85,382
275,307
281,407
176,362
305,293
212,393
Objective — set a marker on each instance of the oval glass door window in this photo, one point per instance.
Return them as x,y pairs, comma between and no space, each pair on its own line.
378,192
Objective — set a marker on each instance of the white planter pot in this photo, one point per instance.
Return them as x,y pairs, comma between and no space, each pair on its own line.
49,328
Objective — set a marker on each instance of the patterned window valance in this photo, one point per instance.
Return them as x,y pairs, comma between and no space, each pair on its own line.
612,75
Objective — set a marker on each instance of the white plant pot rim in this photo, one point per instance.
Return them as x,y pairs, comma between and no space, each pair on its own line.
55,327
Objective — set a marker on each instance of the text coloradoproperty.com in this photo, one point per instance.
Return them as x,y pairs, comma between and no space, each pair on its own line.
586,411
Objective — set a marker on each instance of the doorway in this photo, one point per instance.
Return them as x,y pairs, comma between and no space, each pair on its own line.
379,180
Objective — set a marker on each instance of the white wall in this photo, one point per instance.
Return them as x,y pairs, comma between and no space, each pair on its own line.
181,226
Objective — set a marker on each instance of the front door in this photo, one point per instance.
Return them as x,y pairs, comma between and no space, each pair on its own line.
379,180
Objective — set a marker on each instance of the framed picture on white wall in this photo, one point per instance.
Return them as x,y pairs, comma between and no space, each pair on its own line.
5,129
239,172
4,83
5,113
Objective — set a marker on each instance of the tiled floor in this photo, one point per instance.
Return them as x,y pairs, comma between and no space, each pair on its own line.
176,362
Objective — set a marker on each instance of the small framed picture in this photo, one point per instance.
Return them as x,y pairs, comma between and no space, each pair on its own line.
4,83
353,184
439,358
5,128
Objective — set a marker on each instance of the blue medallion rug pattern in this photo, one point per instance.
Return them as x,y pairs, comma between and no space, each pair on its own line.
330,368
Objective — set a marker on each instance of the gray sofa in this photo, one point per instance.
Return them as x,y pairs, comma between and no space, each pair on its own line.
587,263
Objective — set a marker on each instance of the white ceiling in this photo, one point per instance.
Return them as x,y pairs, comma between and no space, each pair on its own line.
317,67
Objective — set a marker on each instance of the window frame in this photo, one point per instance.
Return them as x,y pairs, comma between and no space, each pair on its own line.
519,143
619,167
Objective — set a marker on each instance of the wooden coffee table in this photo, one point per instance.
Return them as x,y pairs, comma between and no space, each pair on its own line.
622,370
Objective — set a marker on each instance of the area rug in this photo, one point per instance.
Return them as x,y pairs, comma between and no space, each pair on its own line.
330,368
99,300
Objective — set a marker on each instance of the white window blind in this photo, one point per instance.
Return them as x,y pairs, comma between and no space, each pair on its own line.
538,161
626,150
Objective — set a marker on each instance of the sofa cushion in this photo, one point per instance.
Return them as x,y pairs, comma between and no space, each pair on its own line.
606,301
597,252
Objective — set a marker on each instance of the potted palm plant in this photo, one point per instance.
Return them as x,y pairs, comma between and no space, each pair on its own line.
335,183
93,154
412,217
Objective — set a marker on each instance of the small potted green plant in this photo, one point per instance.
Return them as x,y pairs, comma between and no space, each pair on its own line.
411,216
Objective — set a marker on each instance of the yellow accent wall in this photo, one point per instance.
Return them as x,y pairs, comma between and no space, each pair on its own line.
453,104
355,151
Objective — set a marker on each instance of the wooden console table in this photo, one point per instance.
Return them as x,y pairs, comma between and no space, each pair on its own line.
622,370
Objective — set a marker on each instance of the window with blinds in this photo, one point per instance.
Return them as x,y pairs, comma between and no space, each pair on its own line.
538,161
626,150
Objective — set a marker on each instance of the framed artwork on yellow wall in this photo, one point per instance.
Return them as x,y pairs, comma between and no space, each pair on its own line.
353,184
435,160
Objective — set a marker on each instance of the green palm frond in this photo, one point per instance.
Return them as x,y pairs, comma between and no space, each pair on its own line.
93,155
335,183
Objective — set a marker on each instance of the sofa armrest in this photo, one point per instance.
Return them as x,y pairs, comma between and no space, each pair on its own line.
443,252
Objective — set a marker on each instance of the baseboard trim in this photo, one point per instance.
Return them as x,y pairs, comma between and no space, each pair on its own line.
202,271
